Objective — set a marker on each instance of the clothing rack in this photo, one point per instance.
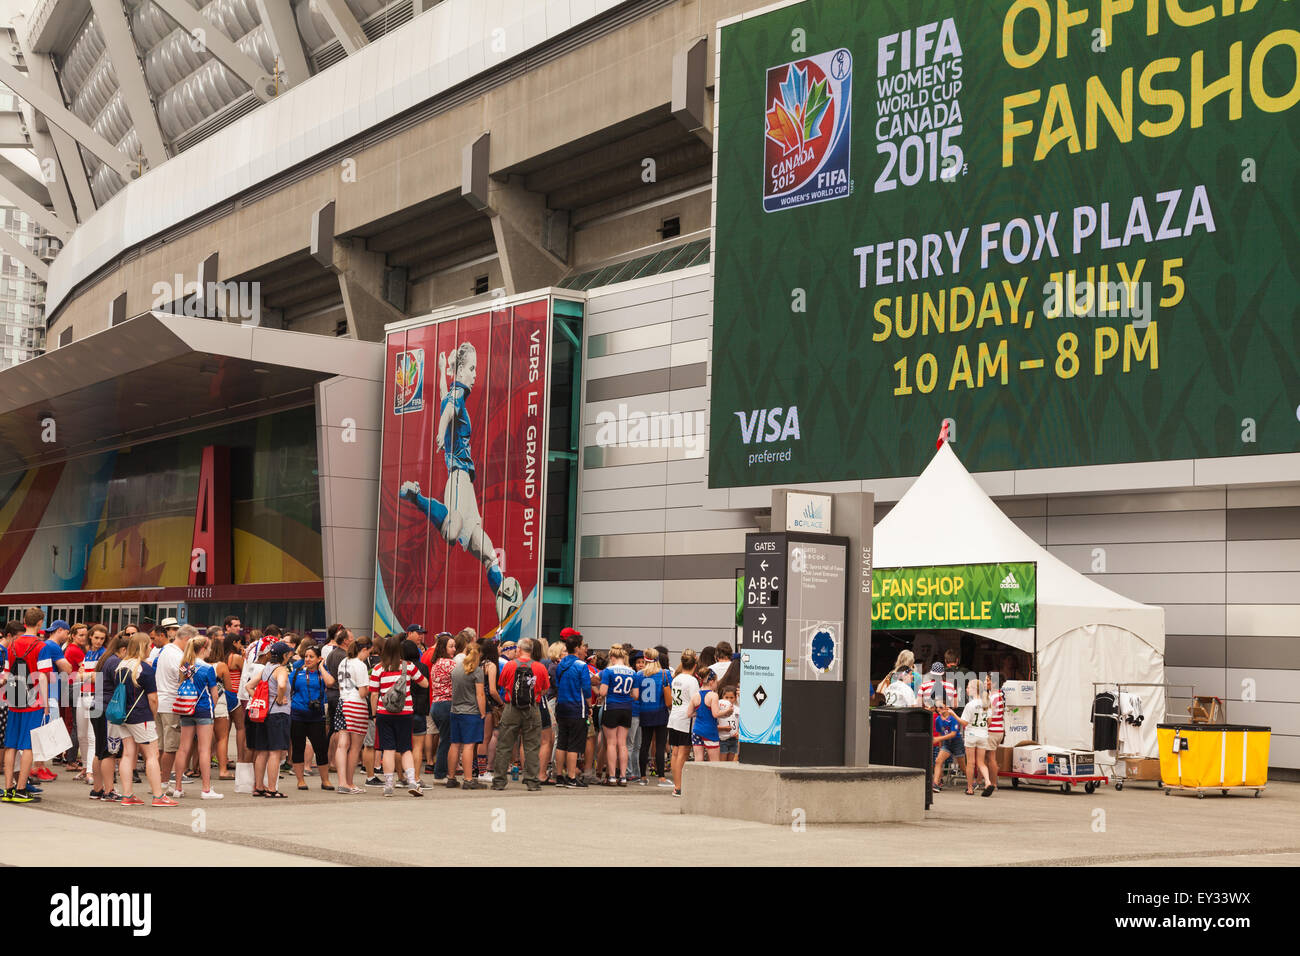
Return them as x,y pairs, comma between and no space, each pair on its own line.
1120,687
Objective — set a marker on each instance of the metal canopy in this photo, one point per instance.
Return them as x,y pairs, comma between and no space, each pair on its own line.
161,374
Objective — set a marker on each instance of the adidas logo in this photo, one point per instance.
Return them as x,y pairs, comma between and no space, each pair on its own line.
1009,582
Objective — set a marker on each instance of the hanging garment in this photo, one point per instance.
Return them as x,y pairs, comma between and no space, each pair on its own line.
1130,709
1105,722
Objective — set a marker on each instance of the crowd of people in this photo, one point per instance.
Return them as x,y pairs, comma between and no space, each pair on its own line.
174,710
967,719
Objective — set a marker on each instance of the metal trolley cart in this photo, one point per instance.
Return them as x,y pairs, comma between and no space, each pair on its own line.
1064,784
1121,773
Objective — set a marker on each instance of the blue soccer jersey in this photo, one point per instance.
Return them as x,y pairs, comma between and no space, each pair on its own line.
652,690
455,443
620,680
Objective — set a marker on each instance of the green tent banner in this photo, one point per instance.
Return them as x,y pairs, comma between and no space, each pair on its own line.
954,595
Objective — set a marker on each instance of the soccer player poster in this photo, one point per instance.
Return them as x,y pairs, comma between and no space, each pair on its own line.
463,463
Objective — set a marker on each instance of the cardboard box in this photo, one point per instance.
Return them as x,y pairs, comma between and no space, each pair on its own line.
1020,693
1029,758
1058,765
1017,725
1084,763
1006,759
1142,768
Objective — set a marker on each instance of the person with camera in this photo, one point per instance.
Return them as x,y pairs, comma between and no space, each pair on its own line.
309,685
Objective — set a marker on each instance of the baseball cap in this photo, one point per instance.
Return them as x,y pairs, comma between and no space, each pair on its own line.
278,651
570,632
418,628
936,667
55,625
169,622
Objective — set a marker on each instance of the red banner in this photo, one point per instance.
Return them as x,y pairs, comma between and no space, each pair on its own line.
463,468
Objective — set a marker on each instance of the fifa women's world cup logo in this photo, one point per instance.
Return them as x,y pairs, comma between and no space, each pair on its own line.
806,145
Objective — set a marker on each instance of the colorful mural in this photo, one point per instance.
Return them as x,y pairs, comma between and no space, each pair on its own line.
125,518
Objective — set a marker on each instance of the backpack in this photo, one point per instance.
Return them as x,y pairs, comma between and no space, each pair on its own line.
116,712
394,699
259,701
187,695
521,690
23,664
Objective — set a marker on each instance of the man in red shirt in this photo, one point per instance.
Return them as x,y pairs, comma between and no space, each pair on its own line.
522,685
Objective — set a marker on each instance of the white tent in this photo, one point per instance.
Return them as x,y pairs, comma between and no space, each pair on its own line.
1085,633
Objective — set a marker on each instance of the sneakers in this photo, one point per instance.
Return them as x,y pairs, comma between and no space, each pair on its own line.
643,782
532,786
112,797
665,782
498,784
415,789
21,796
486,776
374,781
132,801
350,791
622,781
211,795
677,793
452,783
423,786
610,782
176,793
472,785
578,783
40,773
164,801
388,789
97,794
32,788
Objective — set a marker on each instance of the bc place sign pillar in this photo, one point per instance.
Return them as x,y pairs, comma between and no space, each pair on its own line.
803,640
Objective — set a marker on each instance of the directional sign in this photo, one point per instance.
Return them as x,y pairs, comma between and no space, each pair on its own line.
763,615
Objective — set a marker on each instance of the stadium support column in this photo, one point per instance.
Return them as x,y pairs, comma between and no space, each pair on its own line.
532,241
361,275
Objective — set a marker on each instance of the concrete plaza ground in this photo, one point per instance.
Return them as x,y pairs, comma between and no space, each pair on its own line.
1140,826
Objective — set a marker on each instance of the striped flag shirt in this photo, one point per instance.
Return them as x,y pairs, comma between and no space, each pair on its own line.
381,681
928,691
997,704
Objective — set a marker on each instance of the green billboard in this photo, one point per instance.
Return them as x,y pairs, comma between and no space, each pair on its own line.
954,595
1071,227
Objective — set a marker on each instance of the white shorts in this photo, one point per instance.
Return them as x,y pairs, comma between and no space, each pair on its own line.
145,733
458,496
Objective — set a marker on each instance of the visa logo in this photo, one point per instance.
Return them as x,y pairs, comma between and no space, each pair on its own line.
1010,608
768,424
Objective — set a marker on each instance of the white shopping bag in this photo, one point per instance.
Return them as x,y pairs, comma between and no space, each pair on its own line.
243,778
50,740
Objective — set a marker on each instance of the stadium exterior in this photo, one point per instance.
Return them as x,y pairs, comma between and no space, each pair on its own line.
215,321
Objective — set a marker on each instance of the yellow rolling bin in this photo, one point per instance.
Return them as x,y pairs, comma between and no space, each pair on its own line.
1205,757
